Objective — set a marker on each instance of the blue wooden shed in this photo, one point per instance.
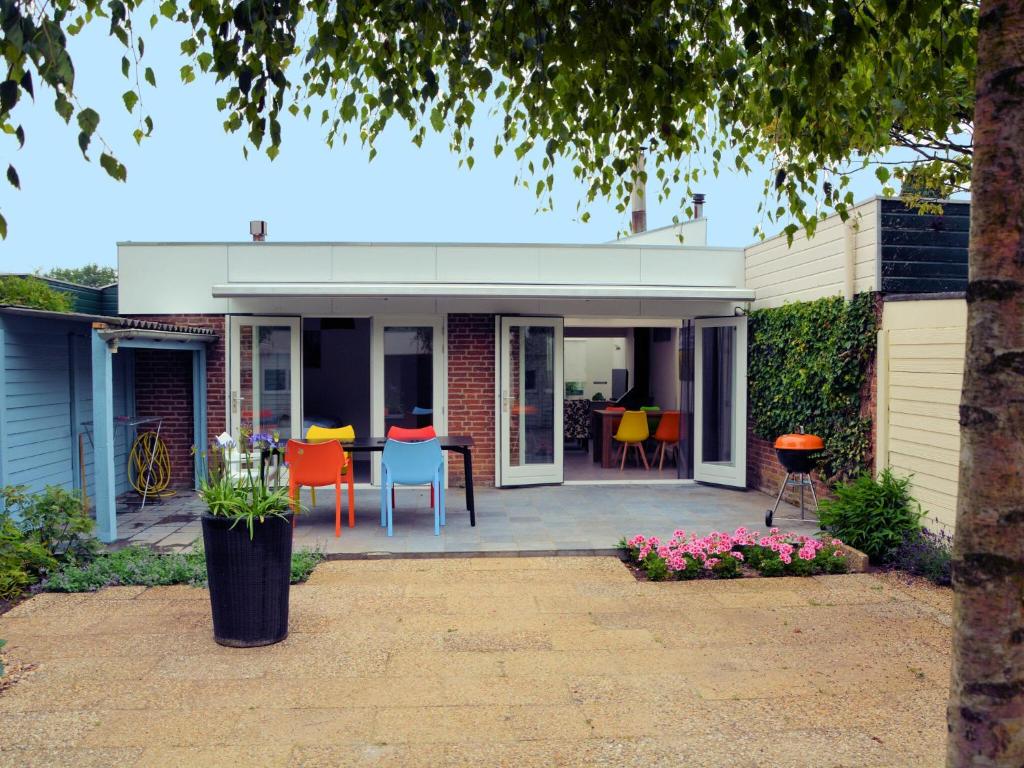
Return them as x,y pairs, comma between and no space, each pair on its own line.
64,379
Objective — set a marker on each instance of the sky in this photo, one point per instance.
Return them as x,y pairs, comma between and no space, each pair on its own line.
190,182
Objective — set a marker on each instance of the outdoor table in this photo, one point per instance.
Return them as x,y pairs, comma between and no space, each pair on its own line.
461,444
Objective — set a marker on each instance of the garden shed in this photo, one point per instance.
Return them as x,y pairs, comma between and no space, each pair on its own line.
68,392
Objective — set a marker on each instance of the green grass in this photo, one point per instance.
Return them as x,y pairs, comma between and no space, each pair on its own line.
140,566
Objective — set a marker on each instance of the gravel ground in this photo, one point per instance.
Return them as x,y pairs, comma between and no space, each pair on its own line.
489,662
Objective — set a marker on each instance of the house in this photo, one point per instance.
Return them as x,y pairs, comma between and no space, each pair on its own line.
917,264
69,401
498,341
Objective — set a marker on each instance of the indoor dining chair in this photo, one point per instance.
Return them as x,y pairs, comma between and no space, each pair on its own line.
316,464
411,463
632,432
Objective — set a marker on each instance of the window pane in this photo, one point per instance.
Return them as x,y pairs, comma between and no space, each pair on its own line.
532,395
717,411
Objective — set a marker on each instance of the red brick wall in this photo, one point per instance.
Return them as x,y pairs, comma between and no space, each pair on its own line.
765,473
471,393
163,386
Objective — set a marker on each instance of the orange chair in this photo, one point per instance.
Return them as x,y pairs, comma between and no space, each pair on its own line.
667,435
412,435
632,432
316,464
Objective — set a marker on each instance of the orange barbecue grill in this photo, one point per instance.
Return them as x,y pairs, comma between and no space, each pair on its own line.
797,453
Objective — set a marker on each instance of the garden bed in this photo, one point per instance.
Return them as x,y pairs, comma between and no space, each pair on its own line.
739,554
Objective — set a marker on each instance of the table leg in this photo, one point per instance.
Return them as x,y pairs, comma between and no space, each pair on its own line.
467,463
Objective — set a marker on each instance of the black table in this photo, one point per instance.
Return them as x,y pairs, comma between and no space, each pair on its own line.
461,444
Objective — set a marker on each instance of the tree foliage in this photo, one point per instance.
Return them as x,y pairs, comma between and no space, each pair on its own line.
93,275
817,89
33,293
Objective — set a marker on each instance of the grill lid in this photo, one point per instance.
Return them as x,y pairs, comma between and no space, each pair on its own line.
799,442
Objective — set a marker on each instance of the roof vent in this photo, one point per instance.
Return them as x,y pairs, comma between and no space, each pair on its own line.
258,230
698,205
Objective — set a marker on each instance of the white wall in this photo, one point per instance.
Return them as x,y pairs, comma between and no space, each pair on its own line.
168,278
692,233
812,268
591,360
920,375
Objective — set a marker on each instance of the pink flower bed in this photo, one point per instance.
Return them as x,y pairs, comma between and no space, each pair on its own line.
727,555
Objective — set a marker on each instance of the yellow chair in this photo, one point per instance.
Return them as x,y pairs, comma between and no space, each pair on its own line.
632,432
319,434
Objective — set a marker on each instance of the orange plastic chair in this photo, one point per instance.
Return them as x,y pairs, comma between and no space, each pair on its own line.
412,435
318,434
316,464
667,435
632,432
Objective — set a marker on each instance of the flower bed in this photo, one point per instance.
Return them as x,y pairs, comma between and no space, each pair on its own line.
731,555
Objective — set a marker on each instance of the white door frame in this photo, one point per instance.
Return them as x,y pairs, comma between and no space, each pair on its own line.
735,472
236,322
440,405
534,474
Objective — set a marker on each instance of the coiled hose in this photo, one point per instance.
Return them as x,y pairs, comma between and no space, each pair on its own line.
149,466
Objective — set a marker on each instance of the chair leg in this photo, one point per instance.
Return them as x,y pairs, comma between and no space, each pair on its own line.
293,494
337,507
393,496
643,456
622,464
391,514
312,493
437,511
661,461
351,499
383,499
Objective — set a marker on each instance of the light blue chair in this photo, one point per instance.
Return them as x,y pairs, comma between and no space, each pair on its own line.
415,463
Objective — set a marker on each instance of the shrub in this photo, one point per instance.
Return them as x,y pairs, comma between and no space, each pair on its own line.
55,518
141,566
34,293
926,554
721,555
22,559
875,516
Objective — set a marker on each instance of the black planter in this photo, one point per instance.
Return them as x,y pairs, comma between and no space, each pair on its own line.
249,579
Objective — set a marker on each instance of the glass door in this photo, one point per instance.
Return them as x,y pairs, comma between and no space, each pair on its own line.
265,376
531,400
720,401
407,382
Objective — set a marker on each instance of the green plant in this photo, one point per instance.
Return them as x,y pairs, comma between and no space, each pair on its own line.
303,563
91,274
141,566
55,518
872,515
34,293
245,498
2,644
22,559
807,366
926,554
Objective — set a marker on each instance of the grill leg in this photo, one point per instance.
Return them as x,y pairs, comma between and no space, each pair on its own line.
802,483
813,495
779,497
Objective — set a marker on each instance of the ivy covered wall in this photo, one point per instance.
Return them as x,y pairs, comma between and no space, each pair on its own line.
810,365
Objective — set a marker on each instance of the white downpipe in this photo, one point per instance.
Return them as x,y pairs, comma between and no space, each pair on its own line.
882,401
849,252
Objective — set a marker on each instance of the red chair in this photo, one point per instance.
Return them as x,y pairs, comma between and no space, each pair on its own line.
667,435
412,435
316,464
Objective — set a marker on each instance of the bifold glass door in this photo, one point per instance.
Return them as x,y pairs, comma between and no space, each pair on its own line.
265,376
531,400
720,401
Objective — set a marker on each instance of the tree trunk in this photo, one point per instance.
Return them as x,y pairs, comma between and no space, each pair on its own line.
986,705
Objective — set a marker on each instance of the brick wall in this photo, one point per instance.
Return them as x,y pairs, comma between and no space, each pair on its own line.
163,386
471,393
765,473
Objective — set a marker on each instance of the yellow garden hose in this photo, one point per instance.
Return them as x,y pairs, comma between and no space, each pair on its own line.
149,466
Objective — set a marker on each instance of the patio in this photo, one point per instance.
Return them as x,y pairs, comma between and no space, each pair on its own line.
486,662
538,520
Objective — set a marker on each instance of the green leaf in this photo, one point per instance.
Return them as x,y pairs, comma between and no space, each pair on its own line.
8,95
12,177
113,167
131,98
882,173
150,77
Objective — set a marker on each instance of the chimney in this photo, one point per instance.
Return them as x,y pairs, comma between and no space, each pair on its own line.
638,198
698,205
258,230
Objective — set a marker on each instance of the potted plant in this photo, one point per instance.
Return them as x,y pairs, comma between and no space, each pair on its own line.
247,536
